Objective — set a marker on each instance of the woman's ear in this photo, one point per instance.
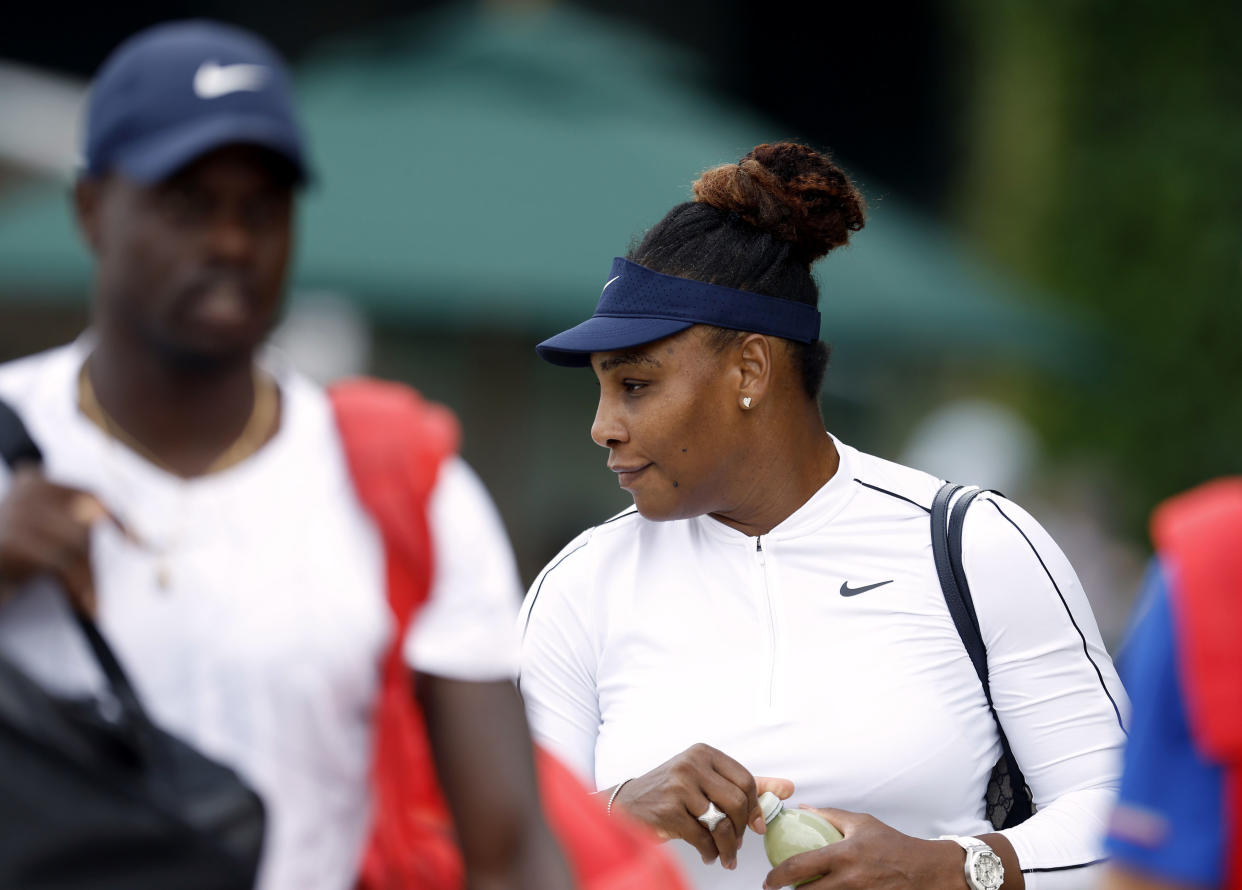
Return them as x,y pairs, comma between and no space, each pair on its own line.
754,358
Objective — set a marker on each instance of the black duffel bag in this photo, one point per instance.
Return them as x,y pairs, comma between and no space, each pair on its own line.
94,795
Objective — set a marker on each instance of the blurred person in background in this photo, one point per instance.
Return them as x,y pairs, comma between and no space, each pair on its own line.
770,605
1178,821
247,594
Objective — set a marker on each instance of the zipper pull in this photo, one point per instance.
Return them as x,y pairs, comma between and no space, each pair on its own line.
759,551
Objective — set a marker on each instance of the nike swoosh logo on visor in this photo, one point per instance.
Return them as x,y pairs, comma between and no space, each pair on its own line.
846,590
213,80
610,281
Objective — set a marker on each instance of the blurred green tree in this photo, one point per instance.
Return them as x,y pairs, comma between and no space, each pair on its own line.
1103,161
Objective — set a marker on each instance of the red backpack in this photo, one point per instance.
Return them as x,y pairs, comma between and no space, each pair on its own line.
394,444
1199,536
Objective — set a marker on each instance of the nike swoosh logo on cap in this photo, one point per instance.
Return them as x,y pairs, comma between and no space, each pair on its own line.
610,281
213,80
846,590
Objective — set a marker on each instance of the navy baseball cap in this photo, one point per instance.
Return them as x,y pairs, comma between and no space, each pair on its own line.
639,305
173,92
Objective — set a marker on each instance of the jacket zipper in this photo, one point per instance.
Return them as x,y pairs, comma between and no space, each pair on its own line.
767,600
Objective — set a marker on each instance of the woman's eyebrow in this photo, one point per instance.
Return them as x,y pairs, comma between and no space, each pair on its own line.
629,358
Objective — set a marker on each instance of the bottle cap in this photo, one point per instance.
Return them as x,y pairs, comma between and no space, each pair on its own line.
771,805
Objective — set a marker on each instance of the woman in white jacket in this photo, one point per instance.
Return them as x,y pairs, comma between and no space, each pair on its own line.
771,607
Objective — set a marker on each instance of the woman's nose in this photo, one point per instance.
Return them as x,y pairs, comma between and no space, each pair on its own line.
607,429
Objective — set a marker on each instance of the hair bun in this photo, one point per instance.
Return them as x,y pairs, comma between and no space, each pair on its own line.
791,191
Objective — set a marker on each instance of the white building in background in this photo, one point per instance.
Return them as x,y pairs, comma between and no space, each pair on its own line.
41,111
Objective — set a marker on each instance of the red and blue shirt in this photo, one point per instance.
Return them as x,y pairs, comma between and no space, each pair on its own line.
1170,817
1181,795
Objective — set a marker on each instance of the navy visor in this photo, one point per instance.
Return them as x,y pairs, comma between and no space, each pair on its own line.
640,306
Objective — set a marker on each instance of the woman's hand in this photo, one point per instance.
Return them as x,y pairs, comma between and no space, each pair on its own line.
874,856
672,796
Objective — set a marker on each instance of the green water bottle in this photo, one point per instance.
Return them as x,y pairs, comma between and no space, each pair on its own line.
790,832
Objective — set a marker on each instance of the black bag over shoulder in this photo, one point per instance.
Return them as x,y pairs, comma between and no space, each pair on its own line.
94,795
1008,801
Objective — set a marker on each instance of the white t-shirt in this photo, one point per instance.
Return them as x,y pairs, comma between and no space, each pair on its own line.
264,647
642,638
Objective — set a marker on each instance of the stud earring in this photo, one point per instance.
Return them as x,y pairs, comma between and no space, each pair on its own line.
746,402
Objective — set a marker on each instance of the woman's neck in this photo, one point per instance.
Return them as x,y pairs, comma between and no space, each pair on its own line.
781,474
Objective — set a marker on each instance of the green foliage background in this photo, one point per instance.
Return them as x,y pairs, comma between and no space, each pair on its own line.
1103,154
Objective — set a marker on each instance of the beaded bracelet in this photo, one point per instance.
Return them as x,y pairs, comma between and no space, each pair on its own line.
613,796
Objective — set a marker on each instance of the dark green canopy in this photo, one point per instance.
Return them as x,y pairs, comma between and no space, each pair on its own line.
481,167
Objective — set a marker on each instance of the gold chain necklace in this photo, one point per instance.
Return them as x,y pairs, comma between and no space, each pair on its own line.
258,429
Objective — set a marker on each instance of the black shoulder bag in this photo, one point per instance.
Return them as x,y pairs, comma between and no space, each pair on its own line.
1008,801
94,795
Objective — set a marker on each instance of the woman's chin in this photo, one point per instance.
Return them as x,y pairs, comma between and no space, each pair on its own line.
661,509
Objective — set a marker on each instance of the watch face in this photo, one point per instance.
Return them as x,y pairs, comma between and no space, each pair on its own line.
987,869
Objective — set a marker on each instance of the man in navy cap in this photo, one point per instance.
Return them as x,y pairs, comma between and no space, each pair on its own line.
235,569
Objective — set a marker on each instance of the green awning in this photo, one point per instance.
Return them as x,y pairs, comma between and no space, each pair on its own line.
479,167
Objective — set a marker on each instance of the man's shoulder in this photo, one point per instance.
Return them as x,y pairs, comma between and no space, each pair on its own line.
22,378
18,370
384,415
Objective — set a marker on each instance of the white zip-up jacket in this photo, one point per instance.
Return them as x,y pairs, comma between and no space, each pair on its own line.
823,652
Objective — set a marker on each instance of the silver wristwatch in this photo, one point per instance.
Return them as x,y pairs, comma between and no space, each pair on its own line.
984,870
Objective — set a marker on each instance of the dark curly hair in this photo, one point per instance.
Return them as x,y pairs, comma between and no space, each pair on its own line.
758,225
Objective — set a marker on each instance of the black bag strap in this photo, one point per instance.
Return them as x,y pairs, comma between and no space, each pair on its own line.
946,534
16,448
952,577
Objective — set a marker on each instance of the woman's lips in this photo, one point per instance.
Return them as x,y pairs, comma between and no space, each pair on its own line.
627,475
